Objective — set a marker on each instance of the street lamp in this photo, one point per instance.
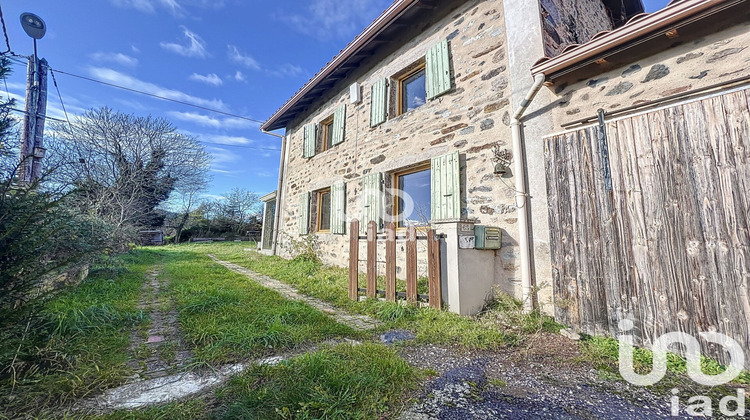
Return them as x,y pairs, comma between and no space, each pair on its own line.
32,146
33,25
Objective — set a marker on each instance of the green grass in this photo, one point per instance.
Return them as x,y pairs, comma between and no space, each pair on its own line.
77,342
342,382
440,327
603,354
227,317
195,409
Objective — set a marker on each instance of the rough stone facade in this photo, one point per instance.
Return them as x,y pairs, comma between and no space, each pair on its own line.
472,118
712,60
567,22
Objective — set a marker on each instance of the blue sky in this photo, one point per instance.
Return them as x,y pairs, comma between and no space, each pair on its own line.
241,57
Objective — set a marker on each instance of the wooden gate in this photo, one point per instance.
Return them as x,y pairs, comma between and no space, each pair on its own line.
390,237
649,221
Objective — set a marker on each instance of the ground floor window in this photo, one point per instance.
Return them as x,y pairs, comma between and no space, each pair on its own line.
412,206
324,210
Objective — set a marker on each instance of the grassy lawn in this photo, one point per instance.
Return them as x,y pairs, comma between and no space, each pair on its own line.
342,382
228,317
504,324
76,344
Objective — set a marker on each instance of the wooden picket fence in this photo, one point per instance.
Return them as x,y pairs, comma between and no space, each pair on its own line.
390,237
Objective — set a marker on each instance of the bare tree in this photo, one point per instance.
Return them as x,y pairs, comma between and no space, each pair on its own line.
240,207
185,200
122,167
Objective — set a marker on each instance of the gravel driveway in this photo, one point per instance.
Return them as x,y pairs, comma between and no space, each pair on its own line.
542,380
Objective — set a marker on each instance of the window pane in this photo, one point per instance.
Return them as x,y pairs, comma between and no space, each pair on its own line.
325,211
414,204
329,135
413,91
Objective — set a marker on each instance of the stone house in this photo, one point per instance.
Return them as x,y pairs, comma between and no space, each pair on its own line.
413,122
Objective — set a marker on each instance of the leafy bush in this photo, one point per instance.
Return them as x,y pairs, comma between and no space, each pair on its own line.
40,235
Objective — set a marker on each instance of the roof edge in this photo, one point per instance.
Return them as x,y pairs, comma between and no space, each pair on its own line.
268,197
381,22
662,19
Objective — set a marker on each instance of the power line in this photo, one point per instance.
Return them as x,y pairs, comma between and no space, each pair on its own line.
5,32
54,81
160,97
240,146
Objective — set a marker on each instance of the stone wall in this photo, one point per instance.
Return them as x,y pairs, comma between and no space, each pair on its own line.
471,119
711,60
567,22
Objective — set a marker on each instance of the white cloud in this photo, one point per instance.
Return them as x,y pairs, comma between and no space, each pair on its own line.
119,58
223,159
230,140
195,46
264,174
121,79
239,76
211,79
286,70
135,49
242,58
214,196
150,6
327,19
213,122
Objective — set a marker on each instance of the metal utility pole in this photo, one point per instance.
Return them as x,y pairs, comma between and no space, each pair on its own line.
32,136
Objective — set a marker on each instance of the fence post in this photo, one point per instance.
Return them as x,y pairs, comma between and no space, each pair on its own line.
411,264
390,262
372,258
354,259
433,267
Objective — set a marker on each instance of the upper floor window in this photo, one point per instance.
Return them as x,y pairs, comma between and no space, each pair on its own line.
412,91
327,137
324,135
414,87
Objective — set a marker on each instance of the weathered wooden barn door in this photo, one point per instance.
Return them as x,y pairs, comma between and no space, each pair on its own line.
650,221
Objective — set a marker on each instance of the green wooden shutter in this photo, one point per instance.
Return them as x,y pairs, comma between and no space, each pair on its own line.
304,214
437,70
338,207
446,187
310,137
379,105
372,200
339,124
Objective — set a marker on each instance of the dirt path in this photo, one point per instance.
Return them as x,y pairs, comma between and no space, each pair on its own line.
358,322
159,350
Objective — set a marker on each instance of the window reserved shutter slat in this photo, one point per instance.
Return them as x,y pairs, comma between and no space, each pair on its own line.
437,70
379,105
338,204
372,200
446,187
309,143
304,214
339,125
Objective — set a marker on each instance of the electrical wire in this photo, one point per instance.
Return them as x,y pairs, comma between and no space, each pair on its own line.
160,97
5,32
240,146
54,81
20,62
